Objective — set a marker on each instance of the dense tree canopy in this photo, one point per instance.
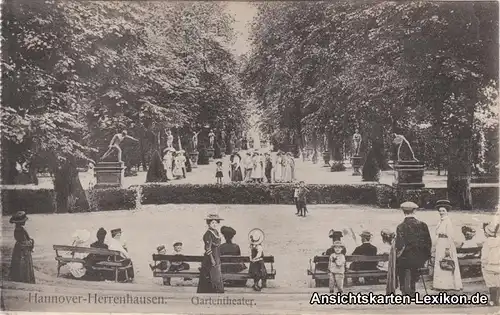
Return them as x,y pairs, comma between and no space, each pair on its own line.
77,72
325,68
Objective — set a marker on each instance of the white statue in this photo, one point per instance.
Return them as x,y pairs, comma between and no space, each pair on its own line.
170,139
115,144
399,140
211,138
194,140
356,138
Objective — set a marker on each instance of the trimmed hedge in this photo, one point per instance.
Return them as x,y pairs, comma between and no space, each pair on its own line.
257,194
32,201
105,199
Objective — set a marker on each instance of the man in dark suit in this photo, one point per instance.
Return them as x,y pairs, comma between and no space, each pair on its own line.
413,248
365,249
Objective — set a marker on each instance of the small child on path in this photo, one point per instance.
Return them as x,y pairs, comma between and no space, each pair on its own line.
218,172
302,199
336,268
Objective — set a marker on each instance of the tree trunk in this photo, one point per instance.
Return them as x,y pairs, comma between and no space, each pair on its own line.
70,196
459,171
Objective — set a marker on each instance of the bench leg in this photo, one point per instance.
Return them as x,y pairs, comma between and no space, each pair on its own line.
58,269
166,281
264,283
116,274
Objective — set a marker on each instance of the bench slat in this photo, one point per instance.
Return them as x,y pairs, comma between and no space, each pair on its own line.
89,250
69,260
224,259
353,258
472,250
469,261
196,274
362,273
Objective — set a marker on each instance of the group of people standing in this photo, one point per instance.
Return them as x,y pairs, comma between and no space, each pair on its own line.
175,163
256,166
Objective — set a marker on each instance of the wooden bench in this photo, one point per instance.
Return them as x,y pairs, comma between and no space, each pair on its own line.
157,258
321,276
470,267
112,264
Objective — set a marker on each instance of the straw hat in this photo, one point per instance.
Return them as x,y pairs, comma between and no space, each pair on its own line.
443,204
256,236
81,236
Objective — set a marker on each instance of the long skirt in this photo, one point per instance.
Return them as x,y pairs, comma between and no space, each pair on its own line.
257,270
21,266
446,279
210,279
236,175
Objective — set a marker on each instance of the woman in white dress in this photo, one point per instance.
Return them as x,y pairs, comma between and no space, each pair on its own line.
167,163
278,175
80,239
385,247
257,170
446,270
177,171
288,169
490,258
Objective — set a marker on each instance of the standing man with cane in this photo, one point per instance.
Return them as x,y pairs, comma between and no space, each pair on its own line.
413,248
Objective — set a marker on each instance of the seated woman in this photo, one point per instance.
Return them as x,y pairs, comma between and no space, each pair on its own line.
365,249
385,248
231,249
127,274
471,241
80,239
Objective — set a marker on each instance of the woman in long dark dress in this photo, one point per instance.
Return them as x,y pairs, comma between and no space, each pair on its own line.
210,271
21,267
231,249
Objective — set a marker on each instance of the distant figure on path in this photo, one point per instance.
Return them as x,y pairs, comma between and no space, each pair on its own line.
268,167
115,144
236,173
210,271
302,199
413,246
21,265
219,174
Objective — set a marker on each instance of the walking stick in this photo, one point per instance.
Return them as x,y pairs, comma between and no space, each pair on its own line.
423,282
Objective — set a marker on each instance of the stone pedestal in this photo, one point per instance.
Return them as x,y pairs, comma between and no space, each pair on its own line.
326,158
193,156
109,174
210,153
408,174
356,165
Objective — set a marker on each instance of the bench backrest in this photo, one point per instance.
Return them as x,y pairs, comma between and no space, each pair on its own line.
224,259
470,250
352,258
88,250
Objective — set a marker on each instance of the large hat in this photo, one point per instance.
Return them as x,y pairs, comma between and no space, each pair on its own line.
443,204
160,248
256,236
387,233
492,229
218,162
115,231
332,233
213,217
468,229
228,232
177,244
408,205
19,217
81,236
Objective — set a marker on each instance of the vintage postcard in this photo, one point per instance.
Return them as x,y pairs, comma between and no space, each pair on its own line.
232,157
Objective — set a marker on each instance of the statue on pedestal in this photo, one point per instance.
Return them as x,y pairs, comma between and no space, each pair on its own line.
115,144
194,140
399,140
211,138
170,138
356,138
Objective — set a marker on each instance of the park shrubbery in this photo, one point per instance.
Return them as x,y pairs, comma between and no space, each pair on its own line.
257,194
33,201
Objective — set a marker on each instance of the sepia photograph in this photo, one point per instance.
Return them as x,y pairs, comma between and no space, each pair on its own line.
250,157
